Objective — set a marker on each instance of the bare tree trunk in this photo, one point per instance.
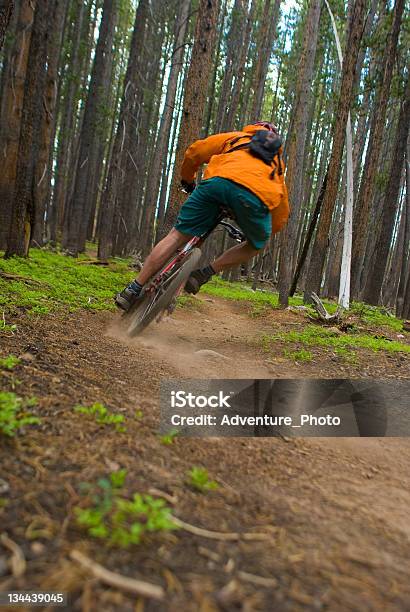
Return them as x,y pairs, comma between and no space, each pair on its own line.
368,182
66,131
124,132
314,277
12,103
267,38
6,11
80,204
403,292
159,159
233,42
43,167
296,150
194,98
229,123
22,217
390,200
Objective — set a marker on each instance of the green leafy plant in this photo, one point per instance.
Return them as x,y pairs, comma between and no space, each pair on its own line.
48,281
119,520
169,438
298,356
9,362
102,415
198,478
13,413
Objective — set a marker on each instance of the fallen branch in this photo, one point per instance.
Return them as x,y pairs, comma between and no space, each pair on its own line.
92,262
322,312
23,279
258,580
137,587
17,561
218,535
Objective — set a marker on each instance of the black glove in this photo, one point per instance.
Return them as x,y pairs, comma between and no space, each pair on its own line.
187,187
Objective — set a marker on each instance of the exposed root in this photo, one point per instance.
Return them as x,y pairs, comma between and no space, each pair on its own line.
137,587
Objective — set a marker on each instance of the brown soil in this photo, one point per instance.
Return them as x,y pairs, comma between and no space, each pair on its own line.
334,513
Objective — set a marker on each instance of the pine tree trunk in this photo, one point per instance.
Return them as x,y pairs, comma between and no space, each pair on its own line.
194,98
66,132
43,168
295,154
155,170
367,187
239,70
135,163
6,11
81,204
23,210
12,103
403,292
124,133
261,71
232,52
314,277
389,208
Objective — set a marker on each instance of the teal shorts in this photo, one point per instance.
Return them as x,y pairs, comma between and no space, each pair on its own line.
200,211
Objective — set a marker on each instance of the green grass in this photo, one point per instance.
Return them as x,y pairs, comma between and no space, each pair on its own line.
115,518
103,416
9,362
51,281
301,356
14,414
313,335
169,438
198,479
262,301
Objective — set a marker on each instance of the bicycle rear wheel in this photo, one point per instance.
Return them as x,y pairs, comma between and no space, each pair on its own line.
154,304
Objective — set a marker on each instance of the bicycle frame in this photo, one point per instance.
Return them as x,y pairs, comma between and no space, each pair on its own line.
196,241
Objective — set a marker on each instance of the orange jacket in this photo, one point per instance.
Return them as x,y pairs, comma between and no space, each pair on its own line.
242,168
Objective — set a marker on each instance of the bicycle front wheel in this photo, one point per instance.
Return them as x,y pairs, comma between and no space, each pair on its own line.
154,304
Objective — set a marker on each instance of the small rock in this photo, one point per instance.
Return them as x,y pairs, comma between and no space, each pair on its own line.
27,357
4,487
400,336
209,300
37,548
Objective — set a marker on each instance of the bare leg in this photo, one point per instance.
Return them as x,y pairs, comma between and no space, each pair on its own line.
160,253
238,254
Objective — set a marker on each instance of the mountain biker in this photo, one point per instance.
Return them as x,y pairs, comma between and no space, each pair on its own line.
251,187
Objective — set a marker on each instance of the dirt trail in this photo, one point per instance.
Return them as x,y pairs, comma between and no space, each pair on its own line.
333,513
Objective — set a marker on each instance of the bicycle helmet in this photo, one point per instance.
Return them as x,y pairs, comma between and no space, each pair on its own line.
267,125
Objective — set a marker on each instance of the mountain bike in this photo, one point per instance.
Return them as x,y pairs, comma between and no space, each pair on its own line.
160,294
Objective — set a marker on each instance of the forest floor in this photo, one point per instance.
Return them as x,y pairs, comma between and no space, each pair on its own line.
319,524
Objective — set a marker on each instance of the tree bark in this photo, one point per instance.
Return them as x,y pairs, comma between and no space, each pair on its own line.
314,276
155,171
6,11
367,187
266,41
22,217
124,132
194,98
43,167
12,103
295,154
65,137
80,204
389,209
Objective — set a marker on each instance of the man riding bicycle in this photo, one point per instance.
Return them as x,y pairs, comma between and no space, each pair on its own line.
245,175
